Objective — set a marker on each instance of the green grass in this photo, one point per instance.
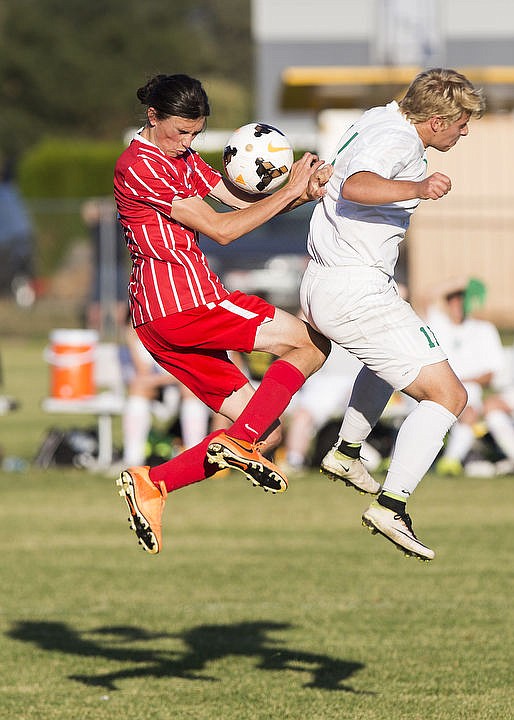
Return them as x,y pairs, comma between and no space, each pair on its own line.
259,607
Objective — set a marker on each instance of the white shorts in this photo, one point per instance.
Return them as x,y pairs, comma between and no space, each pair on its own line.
360,309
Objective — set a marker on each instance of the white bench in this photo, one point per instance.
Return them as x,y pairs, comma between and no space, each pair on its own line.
104,405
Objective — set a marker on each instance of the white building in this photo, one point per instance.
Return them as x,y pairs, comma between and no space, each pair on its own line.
305,51
318,63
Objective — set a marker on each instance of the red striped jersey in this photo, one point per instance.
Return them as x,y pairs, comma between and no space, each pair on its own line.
169,271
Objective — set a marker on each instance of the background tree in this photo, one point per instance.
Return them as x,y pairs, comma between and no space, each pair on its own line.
70,68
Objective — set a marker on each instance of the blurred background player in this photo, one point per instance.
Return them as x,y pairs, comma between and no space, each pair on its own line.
476,354
498,415
17,238
106,310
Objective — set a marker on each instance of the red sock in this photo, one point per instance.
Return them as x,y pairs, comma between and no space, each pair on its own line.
271,398
187,468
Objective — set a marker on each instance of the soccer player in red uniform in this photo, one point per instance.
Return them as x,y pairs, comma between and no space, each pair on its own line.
180,309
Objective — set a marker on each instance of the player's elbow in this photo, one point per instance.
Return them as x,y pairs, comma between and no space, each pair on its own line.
223,233
222,238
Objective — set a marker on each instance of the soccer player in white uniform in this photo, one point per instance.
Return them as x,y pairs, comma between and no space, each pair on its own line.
348,291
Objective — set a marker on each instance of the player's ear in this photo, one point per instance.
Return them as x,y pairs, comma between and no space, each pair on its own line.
151,116
437,123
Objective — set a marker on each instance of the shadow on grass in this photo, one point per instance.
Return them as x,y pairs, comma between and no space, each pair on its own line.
204,645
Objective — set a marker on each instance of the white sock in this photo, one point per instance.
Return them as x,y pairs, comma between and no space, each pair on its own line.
501,427
299,434
459,442
136,424
419,439
194,421
370,457
295,459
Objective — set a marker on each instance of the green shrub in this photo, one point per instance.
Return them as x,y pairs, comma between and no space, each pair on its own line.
75,168
68,169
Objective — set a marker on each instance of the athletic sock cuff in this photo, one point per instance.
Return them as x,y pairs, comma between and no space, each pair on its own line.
392,502
286,374
437,407
351,450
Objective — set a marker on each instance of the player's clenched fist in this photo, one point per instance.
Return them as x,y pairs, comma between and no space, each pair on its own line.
321,175
435,186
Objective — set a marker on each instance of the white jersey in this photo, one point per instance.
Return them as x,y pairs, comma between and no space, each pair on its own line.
344,233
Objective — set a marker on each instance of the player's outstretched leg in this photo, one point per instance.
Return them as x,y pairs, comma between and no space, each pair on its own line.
229,452
145,502
396,526
350,470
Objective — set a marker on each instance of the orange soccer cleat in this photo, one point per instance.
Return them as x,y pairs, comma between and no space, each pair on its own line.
145,502
228,452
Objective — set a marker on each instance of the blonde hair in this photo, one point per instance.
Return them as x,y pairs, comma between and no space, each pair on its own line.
443,93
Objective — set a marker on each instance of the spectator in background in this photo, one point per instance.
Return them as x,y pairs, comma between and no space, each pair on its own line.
107,305
16,240
476,354
499,417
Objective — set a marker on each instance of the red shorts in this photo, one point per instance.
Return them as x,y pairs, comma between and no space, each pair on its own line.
192,345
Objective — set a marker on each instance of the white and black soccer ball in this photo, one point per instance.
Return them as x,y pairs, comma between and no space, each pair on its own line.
258,157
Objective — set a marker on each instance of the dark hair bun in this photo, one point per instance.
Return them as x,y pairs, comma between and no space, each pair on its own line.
178,95
146,92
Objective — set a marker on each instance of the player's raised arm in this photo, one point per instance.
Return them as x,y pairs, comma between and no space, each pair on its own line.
368,188
226,227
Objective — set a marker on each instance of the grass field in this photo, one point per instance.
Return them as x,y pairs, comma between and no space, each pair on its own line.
259,607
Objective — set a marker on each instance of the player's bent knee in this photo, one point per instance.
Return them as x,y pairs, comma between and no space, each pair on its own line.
319,341
461,400
453,399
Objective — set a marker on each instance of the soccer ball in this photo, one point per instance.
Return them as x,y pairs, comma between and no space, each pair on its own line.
257,157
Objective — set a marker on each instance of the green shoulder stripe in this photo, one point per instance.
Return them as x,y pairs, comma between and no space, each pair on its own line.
344,146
